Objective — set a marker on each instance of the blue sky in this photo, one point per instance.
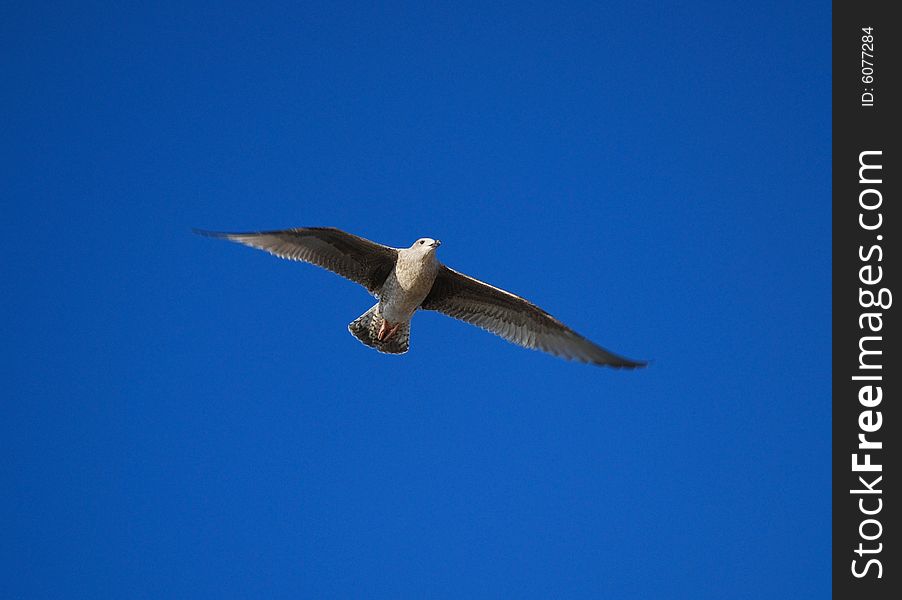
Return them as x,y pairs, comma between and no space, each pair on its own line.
189,418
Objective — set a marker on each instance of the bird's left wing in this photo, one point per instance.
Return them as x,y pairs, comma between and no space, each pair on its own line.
350,256
514,319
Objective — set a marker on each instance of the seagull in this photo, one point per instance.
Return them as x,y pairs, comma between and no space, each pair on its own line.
405,280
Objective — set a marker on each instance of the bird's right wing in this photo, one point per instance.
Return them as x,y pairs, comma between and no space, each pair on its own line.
513,318
350,256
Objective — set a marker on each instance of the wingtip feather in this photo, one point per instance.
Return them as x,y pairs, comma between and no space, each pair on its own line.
624,363
211,234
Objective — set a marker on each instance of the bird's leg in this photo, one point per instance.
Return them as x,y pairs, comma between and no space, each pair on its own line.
386,330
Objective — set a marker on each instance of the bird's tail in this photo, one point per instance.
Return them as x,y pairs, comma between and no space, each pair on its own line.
366,328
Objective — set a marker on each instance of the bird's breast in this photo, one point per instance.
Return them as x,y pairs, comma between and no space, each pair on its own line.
406,288
415,276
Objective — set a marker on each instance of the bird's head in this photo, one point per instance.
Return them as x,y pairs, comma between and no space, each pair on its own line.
425,245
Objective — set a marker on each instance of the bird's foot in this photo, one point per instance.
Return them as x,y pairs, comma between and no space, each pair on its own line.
386,330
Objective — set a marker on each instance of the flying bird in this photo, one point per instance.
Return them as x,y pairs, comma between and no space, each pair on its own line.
407,279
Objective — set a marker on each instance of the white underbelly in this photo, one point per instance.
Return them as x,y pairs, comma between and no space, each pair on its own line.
398,311
397,303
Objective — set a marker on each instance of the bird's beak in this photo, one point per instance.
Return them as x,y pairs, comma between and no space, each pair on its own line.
436,243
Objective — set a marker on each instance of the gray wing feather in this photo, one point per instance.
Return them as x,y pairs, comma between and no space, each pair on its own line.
350,256
513,318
